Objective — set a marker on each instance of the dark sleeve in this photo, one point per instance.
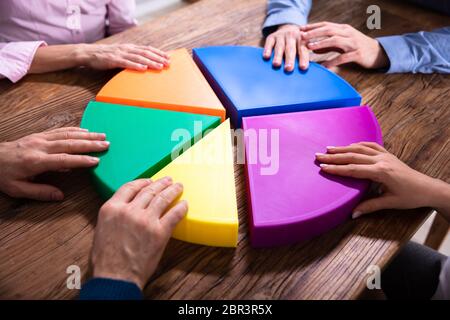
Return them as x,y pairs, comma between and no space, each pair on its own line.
109,289
438,5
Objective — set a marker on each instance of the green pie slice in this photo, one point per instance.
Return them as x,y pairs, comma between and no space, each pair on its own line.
143,140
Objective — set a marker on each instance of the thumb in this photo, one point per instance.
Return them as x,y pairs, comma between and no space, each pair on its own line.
340,59
42,192
374,204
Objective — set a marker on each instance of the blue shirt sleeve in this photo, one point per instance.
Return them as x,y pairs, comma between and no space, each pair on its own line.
110,289
286,12
421,52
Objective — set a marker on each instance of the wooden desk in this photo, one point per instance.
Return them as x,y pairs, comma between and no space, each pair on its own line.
38,241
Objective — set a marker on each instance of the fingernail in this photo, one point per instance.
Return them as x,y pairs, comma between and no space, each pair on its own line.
104,143
94,159
179,186
168,179
101,135
185,203
330,147
356,214
57,196
323,165
318,154
83,129
149,180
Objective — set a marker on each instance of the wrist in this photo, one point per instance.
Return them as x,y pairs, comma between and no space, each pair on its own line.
81,54
381,58
440,197
287,26
118,276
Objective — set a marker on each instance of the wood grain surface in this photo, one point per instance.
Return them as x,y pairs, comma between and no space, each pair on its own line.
38,241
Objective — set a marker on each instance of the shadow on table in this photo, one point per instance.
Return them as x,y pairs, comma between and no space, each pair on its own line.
80,199
84,78
208,267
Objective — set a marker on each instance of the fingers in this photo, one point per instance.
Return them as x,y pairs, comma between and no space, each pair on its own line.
62,161
290,53
77,146
345,158
303,56
175,214
141,60
316,25
78,134
156,50
356,160
360,171
146,195
150,55
324,29
279,51
372,145
341,59
41,192
65,129
127,64
268,47
128,191
332,43
355,148
164,199
374,204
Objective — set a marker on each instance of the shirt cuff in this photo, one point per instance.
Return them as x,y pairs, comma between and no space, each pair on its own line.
110,289
16,58
399,53
290,16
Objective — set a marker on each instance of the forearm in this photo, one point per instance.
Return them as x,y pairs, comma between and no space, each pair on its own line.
57,57
440,199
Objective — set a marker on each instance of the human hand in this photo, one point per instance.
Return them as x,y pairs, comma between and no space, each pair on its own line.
402,187
287,41
352,45
133,229
130,56
54,150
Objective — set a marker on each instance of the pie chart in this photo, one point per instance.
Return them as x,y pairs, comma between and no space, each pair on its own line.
183,122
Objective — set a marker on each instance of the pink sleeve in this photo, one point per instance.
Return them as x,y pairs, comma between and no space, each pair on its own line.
121,15
16,58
